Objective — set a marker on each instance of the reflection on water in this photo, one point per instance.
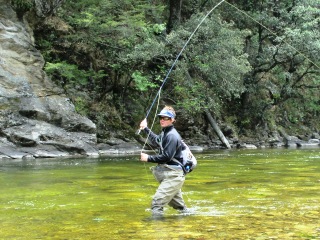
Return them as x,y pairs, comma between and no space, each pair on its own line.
238,194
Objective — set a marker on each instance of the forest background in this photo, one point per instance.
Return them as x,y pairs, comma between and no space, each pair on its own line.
253,65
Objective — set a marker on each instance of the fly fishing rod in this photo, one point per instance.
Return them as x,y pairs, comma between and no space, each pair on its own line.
176,60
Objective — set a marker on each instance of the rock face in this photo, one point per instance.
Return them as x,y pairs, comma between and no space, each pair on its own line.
36,118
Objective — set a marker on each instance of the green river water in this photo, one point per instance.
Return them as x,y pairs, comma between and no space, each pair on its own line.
237,194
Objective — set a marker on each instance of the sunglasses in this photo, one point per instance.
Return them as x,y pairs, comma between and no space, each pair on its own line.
164,118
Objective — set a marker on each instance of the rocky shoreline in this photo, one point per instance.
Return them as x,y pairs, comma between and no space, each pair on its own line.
118,147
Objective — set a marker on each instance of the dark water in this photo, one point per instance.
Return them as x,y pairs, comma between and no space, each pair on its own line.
245,194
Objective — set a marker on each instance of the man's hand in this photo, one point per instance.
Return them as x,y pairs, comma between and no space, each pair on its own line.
144,157
143,124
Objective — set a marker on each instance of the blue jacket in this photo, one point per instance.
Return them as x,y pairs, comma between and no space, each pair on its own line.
171,146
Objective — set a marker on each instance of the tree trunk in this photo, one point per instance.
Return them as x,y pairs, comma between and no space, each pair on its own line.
217,129
175,14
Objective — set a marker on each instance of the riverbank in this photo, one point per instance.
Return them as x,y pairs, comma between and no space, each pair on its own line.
120,147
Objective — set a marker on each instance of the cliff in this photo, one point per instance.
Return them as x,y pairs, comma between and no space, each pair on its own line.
36,118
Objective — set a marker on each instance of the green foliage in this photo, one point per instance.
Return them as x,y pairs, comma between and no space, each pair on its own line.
193,98
283,51
158,28
70,73
111,23
217,66
141,82
22,5
120,52
81,106
109,34
70,77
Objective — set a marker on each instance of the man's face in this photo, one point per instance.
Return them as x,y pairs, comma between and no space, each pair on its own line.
165,121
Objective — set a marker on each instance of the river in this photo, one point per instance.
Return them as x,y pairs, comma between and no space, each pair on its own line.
234,194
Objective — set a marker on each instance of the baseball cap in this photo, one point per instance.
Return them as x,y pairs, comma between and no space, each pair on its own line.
167,113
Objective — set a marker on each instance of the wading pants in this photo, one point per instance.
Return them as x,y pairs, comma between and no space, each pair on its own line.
171,179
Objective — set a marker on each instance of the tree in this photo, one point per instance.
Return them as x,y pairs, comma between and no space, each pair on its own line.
283,52
175,14
212,68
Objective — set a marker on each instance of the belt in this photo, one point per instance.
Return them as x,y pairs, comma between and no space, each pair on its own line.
170,167
173,164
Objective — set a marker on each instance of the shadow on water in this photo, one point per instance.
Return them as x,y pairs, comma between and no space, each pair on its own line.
238,194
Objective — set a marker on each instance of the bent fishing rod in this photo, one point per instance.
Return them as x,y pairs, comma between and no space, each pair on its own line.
176,60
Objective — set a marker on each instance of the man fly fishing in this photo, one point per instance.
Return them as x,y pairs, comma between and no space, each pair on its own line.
168,172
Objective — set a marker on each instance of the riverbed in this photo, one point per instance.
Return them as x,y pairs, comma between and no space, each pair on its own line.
232,194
